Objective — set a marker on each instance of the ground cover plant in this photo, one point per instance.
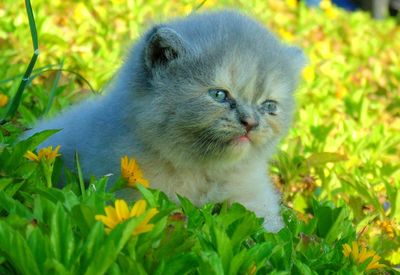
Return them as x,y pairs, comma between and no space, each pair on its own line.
338,170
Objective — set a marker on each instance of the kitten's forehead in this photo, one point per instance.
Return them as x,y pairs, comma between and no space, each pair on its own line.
247,77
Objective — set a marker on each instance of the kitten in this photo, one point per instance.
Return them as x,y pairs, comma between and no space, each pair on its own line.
200,103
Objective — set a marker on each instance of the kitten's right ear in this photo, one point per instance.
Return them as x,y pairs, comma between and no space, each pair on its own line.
164,45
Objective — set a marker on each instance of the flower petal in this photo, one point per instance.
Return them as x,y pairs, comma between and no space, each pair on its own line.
142,228
354,251
112,215
143,182
106,221
122,210
152,212
31,156
364,254
346,250
374,264
138,208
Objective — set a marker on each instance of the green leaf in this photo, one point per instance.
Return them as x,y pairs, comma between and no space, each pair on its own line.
92,243
61,236
40,246
195,217
178,264
332,222
237,261
13,206
43,209
301,268
111,247
22,147
223,246
16,250
83,217
148,195
5,182
322,158
210,263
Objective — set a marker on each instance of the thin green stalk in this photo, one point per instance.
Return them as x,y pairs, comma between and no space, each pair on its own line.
25,79
47,171
54,88
37,71
80,177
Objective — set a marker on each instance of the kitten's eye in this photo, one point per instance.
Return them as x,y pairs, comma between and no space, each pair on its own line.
270,107
218,95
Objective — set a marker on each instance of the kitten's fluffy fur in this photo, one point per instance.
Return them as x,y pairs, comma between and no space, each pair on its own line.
159,111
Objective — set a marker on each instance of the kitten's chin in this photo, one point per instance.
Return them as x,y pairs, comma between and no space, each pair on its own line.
238,148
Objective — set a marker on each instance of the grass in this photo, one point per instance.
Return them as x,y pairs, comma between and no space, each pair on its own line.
338,170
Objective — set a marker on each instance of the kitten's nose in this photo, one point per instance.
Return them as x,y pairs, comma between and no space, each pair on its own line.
249,123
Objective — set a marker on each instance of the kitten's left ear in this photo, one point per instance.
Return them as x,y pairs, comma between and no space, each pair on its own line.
163,46
297,58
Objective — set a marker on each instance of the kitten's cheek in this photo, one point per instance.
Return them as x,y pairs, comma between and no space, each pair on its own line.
275,127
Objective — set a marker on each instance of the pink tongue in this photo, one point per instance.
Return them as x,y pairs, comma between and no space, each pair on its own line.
243,138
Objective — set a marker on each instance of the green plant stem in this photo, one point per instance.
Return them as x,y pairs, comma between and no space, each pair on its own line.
80,177
47,171
25,79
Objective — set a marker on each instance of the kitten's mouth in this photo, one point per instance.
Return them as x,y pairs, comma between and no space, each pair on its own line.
242,139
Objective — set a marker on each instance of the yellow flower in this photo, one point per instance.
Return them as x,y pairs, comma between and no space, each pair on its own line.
325,4
292,4
120,213
308,74
387,227
131,172
286,35
3,100
47,153
328,8
360,255
341,90
374,264
346,250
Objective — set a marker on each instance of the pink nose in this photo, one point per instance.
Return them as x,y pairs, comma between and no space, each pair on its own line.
249,123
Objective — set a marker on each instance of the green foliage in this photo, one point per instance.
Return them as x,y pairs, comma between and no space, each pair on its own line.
54,231
339,169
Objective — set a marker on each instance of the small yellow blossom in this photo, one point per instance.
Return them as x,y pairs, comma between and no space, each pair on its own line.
308,74
131,172
387,227
45,153
328,8
3,100
331,13
286,35
120,213
323,49
360,255
325,4
292,3
187,9
340,91
346,250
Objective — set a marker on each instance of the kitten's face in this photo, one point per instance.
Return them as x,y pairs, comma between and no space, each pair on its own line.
235,111
213,103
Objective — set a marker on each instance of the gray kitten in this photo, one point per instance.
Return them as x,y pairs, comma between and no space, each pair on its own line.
201,104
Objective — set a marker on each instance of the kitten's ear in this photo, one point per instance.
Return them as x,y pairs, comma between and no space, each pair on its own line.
297,58
164,45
